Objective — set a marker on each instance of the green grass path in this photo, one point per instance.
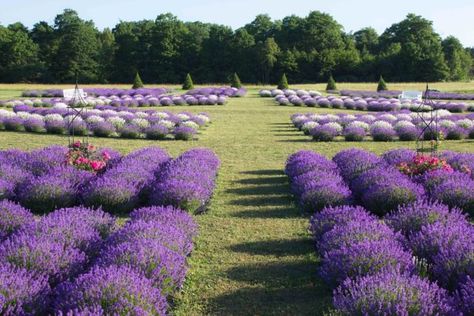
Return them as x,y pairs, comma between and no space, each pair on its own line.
253,255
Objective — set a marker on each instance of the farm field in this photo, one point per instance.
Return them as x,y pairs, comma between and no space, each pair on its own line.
253,254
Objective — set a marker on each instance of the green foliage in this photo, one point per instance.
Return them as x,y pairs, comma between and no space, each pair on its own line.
331,84
283,83
137,82
188,83
382,86
306,48
235,81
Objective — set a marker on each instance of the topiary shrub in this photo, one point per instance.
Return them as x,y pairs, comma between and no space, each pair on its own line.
283,83
188,83
137,82
235,81
382,86
331,84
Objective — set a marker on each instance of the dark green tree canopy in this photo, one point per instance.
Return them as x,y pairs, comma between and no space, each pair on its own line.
165,49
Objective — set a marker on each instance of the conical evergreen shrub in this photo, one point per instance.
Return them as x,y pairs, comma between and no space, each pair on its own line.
382,86
283,83
137,83
188,83
235,81
331,84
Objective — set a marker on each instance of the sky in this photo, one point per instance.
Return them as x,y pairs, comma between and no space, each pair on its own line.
454,17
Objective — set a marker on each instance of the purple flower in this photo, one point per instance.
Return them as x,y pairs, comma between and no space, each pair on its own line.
22,292
455,193
431,239
13,123
305,161
12,217
330,217
323,133
55,127
60,188
354,134
103,129
353,232
383,134
391,293
164,267
34,125
113,290
353,162
167,215
364,258
43,255
465,296
156,132
167,234
186,182
184,133
397,156
408,133
409,219
455,261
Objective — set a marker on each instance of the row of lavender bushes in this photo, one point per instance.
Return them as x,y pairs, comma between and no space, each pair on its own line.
78,261
394,94
105,122
418,260
41,180
403,126
379,104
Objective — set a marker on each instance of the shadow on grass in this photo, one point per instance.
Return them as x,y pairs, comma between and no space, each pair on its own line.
272,189
284,288
264,172
265,181
274,200
306,140
268,213
286,135
280,124
277,247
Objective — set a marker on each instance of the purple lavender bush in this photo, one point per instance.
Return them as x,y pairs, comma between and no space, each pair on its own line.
22,292
112,290
465,296
330,217
167,215
186,182
43,256
168,235
12,217
391,293
364,258
164,267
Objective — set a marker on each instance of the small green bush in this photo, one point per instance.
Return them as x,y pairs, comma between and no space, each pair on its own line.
137,83
188,83
331,84
283,83
382,86
235,81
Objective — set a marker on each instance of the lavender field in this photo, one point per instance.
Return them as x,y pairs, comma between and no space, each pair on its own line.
241,246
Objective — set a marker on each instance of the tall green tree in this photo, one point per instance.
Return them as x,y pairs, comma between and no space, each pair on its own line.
77,48
420,57
18,54
458,59
267,53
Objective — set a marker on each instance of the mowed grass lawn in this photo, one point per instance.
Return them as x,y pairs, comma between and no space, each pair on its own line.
253,255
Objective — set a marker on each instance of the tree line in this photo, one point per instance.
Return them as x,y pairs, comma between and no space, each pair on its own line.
307,49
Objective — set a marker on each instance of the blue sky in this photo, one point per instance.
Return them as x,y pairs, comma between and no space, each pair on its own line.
453,17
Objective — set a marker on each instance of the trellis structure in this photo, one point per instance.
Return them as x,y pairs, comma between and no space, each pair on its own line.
77,107
429,126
